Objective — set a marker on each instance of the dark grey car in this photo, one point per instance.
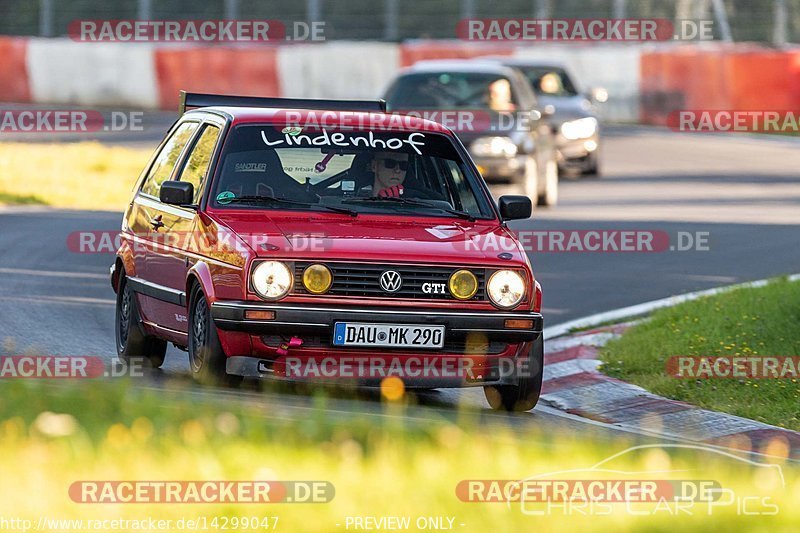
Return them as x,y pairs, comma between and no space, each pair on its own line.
510,139
574,118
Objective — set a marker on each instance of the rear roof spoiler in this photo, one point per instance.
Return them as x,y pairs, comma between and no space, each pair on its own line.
195,100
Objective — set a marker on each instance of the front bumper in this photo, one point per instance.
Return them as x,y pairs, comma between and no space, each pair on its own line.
319,320
577,153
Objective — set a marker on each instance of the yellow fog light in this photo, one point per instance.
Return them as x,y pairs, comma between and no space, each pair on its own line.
463,284
317,279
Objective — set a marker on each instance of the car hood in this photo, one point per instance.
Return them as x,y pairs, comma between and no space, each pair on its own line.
373,238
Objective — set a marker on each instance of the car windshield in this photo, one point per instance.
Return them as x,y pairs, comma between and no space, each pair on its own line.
347,171
549,81
452,90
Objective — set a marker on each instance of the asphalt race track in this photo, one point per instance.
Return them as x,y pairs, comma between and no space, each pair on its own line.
742,191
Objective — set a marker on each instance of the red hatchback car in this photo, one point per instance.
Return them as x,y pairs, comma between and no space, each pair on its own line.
326,239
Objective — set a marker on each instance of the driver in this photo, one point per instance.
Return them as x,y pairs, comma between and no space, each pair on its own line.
390,171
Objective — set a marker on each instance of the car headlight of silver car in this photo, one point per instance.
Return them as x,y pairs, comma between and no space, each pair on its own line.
582,128
493,147
272,279
506,288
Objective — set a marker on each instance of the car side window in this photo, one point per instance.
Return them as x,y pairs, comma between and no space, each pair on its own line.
164,164
466,199
196,168
526,95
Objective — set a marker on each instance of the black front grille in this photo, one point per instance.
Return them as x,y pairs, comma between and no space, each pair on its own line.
363,279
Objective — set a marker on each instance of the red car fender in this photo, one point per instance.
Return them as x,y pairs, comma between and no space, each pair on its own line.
202,274
537,297
124,263
233,342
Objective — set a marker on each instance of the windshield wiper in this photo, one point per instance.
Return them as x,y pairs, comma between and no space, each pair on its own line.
411,201
274,200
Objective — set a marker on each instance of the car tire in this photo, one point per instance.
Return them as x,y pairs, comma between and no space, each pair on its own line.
525,394
549,195
530,187
132,343
207,359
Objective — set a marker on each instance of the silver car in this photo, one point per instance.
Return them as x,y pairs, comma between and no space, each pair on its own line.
572,113
515,144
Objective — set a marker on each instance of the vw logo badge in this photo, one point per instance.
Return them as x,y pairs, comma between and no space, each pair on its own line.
391,281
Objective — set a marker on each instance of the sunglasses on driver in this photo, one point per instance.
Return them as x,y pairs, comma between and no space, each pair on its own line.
391,163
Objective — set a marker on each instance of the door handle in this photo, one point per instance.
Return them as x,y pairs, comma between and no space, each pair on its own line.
156,223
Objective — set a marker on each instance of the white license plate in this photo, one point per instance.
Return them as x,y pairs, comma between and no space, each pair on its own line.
388,335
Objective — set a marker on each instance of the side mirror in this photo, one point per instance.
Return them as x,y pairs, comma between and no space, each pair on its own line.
513,207
176,193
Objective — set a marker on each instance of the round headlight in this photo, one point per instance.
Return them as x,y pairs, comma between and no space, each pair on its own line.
463,284
317,279
506,288
272,280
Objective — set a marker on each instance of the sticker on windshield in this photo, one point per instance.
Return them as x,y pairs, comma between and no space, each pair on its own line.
250,167
322,165
368,140
225,197
292,130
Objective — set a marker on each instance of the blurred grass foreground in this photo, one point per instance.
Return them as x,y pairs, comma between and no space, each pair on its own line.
383,462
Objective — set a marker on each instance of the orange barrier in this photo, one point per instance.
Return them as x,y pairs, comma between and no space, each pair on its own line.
674,79
736,78
764,80
14,86
412,52
251,71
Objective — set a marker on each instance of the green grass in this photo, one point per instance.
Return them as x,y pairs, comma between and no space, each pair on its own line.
17,199
84,175
748,322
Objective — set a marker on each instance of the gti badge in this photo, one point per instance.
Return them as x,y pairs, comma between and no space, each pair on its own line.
433,288
391,281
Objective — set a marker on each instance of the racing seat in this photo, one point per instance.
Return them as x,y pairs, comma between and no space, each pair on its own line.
361,170
257,173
